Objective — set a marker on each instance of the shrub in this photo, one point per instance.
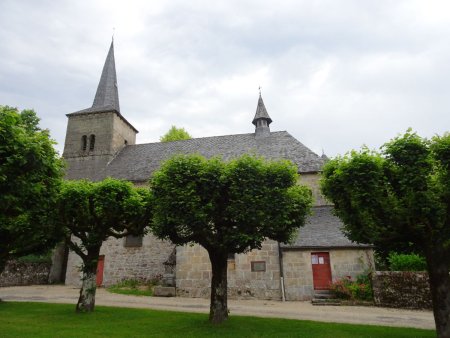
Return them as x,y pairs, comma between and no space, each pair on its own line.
341,288
346,288
404,262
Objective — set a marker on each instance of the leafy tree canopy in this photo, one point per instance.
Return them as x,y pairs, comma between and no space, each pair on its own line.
93,212
399,199
175,134
30,174
226,207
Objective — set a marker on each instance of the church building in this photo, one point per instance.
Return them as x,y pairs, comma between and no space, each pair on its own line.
101,143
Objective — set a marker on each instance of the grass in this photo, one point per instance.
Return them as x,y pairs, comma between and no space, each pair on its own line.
60,320
132,287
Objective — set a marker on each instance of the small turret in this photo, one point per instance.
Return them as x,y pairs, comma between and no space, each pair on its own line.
262,119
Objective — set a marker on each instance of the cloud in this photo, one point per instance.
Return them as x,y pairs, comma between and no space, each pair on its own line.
336,75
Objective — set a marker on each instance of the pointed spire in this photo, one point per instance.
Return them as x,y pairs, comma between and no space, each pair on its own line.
261,112
262,118
107,95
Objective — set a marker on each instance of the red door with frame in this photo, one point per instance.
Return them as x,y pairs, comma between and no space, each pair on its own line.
321,269
100,267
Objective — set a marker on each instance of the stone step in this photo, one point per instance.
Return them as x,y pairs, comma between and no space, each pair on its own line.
326,302
164,291
323,294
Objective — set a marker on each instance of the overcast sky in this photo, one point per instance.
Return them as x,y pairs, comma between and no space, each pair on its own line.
334,74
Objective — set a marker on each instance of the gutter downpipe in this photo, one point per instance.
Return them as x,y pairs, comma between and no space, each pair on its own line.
280,260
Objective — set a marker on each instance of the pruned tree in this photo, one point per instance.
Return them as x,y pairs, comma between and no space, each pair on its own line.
93,212
400,197
226,207
175,134
30,175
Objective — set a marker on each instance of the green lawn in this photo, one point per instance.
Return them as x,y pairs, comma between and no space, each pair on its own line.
60,320
132,287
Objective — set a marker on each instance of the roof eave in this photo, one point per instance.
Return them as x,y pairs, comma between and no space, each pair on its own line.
330,247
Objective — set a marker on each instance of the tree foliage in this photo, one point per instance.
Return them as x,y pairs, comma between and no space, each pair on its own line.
406,262
30,174
226,207
400,199
93,212
175,134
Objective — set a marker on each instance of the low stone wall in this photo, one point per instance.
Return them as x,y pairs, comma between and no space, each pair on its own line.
402,289
19,273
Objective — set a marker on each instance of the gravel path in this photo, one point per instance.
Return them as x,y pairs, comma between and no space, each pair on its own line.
258,308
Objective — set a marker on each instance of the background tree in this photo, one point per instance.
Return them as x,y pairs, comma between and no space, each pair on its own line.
93,212
30,174
175,134
400,198
226,208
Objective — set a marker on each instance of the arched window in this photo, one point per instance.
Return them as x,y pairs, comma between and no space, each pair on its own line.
83,142
91,142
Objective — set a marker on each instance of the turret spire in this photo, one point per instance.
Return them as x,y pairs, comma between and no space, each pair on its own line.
261,119
107,95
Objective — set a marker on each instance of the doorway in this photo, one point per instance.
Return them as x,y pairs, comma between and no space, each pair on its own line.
100,268
321,269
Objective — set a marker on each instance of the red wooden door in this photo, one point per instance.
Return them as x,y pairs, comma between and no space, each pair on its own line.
100,267
321,270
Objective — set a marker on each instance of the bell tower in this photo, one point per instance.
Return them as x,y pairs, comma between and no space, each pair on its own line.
96,134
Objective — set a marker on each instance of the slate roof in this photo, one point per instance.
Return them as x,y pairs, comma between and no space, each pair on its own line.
261,112
137,162
322,230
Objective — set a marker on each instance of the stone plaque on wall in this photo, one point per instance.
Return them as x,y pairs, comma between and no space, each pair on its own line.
258,266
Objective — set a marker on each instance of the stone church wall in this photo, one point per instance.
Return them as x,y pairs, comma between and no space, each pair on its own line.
193,273
111,135
297,270
122,134
311,180
298,278
143,263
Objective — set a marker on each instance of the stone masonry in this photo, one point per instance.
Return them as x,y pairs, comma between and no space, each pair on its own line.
193,271
298,278
143,263
21,273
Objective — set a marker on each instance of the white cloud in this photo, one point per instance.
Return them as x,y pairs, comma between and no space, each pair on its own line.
334,74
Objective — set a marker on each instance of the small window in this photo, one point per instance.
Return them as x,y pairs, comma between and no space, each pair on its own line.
83,142
258,266
91,142
125,142
132,241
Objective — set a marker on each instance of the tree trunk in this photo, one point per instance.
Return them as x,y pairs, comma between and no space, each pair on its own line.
86,301
440,292
219,307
